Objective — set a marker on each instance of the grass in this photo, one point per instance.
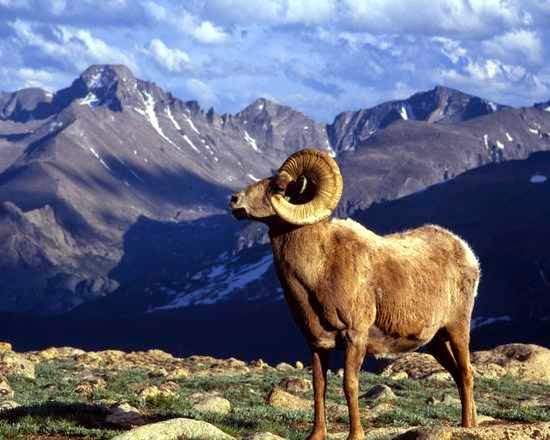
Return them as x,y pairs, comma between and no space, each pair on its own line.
51,406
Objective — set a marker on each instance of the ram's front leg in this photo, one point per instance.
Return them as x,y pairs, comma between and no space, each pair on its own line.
319,366
354,355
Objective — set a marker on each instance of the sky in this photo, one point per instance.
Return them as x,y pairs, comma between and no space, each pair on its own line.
319,56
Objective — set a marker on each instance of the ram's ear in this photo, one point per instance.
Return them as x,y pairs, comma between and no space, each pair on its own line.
301,184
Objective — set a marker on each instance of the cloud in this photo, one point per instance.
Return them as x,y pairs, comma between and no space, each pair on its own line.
320,56
67,45
173,60
518,43
183,21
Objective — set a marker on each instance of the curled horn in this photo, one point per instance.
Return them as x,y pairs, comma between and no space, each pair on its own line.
315,174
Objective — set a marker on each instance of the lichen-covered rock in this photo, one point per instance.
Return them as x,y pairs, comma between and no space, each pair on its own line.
279,398
5,389
379,392
17,364
296,384
125,415
535,431
176,429
283,366
6,405
5,346
264,436
527,362
213,404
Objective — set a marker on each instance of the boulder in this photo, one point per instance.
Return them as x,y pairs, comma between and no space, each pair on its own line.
296,384
213,404
283,366
538,431
125,415
264,436
175,429
378,393
279,398
16,364
5,389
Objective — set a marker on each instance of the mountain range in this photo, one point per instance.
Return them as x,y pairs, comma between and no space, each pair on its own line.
113,192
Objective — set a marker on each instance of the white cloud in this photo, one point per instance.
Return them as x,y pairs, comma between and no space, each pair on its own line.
77,47
202,92
173,60
510,45
183,21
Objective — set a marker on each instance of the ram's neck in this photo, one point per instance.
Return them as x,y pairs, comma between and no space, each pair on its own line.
299,245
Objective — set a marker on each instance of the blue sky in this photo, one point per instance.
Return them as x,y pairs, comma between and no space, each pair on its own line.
320,56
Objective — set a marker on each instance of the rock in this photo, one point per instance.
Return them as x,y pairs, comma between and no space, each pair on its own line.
258,363
377,409
5,346
283,366
178,373
167,389
213,404
6,405
264,436
125,415
279,398
447,399
299,365
17,364
440,376
175,429
296,384
527,362
538,431
379,393
5,389
371,434
524,361
400,375
90,385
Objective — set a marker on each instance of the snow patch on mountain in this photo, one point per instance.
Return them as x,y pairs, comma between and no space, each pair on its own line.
510,138
538,178
481,321
191,144
252,177
190,122
151,116
221,281
500,145
171,117
251,141
90,99
403,113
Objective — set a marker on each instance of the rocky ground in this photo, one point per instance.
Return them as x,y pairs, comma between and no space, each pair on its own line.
62,393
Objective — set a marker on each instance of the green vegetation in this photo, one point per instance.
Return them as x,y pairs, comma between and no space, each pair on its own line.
51,404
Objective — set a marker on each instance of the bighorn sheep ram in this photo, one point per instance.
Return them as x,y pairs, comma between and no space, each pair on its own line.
350,288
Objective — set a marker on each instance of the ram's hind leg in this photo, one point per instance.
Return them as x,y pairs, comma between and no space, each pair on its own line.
459,338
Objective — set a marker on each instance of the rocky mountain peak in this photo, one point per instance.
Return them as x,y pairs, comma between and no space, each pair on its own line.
99,76
24,104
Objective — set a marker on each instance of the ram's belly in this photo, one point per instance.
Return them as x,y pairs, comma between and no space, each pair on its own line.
383,342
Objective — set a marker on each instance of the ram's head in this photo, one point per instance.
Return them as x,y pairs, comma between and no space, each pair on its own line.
305,190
